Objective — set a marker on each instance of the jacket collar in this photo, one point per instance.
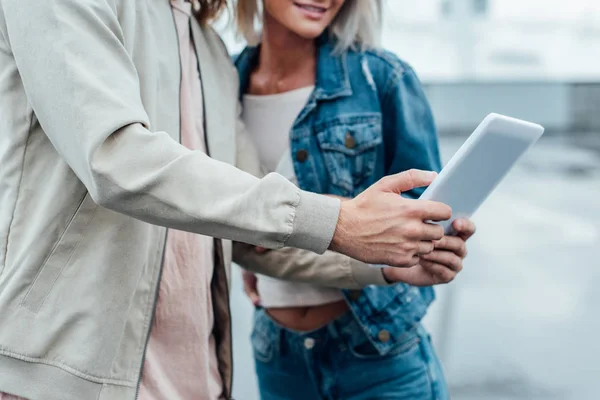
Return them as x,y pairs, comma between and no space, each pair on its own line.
332,80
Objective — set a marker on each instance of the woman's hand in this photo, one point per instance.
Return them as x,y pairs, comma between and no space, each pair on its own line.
442,264
251,287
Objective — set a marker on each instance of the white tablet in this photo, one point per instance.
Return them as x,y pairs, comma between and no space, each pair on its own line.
481,163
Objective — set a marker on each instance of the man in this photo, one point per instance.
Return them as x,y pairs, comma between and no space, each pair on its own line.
92,173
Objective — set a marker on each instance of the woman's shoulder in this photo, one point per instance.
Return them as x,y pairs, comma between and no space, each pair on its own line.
387,70
380,60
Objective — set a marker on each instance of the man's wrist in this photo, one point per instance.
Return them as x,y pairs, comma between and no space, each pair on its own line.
340,235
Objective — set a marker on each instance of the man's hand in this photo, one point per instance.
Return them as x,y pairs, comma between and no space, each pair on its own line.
419,275
381,227
450,251
251,287
440,266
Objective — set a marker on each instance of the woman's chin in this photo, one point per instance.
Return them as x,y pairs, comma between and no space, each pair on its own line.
309,32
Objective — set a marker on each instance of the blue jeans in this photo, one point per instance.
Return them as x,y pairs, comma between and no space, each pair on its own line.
338,362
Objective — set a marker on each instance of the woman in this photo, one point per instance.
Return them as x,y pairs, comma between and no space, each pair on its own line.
108,110
334,113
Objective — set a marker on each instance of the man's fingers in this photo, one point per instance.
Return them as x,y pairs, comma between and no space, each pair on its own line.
424,231
444,258
427,210
425,247
454,244
403,261
439,273
414,261
464,228
407,180
432,232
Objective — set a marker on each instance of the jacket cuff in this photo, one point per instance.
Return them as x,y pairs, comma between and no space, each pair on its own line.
365,274
315,221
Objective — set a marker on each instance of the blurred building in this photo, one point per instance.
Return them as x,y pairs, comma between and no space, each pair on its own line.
535,59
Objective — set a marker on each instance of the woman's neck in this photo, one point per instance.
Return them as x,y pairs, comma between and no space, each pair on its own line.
286,62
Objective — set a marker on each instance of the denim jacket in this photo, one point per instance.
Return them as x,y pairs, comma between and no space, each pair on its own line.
366,118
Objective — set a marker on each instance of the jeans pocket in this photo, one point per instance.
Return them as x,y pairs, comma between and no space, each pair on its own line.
263,337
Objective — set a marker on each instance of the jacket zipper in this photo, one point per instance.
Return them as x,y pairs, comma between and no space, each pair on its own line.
217,242
162,261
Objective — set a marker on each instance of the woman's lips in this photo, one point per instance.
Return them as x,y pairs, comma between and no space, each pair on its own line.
311,11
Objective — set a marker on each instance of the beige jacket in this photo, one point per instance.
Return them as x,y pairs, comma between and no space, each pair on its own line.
91,173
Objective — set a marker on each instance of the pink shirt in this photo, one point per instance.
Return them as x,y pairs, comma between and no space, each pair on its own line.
181,361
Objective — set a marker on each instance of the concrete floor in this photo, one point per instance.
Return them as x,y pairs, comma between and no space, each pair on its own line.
519,323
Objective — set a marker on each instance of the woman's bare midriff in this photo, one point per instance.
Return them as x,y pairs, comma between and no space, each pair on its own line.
306,319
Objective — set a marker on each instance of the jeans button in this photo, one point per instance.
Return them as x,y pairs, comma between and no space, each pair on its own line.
309,343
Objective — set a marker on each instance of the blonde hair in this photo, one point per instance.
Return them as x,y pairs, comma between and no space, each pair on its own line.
357,25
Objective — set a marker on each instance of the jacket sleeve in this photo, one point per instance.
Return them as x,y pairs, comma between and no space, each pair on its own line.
84,90
330,270
409,131
408,124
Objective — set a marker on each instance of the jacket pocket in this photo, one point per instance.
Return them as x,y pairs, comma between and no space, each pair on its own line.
60,255
349,147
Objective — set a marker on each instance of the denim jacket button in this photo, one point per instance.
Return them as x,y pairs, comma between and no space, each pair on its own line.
301,155
350,143
384,336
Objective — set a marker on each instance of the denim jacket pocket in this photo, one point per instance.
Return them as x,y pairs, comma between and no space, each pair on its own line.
349,148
